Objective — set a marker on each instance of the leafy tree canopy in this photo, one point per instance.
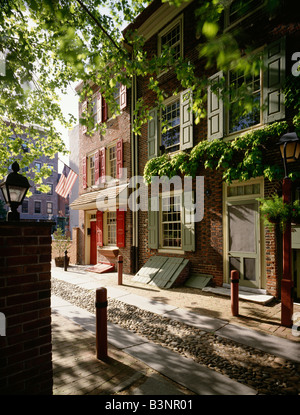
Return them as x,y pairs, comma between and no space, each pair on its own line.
49,43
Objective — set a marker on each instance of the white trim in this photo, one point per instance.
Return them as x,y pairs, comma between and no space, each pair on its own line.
160,18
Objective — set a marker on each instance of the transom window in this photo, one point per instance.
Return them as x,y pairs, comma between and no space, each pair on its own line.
244,114
170,137
171,221
243,190
111,228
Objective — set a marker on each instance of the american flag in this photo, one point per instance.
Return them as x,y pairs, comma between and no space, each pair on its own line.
66,182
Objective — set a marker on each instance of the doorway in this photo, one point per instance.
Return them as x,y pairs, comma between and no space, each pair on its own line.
93,239
243,234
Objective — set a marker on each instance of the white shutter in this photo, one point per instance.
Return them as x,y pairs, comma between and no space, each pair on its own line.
99,107
188,221
152,135
186,119
215,128
274,75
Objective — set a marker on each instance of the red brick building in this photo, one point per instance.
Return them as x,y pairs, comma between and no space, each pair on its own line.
104,223
231,234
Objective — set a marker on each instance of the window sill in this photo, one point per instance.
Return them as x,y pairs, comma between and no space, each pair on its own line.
170,251
232,136
109,251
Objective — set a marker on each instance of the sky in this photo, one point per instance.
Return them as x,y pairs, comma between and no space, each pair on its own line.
69,104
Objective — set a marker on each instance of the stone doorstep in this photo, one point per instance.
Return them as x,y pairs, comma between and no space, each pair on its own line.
243,295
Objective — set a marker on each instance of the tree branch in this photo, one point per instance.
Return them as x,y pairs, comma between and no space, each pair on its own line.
100,26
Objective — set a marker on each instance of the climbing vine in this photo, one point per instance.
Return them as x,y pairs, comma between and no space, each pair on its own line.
242,158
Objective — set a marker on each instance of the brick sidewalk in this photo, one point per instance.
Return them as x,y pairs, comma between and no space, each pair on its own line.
77,371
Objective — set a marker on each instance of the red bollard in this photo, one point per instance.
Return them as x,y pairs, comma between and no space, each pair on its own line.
120,270
234,278
101,323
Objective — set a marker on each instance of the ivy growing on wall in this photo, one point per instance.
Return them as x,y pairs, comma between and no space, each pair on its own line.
242,158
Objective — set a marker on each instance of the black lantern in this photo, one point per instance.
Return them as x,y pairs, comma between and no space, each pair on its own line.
290,149
14,188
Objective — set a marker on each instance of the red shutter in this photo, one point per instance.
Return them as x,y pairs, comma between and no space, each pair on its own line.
84,179
102,165
123,97
120,228
104,109
99,228
97,167
119,157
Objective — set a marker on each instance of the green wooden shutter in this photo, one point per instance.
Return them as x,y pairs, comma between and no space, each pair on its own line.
152,135
215,127
153,222
187,219
186,119
274,75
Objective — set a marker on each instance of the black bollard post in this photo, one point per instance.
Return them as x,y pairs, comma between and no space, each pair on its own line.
65,261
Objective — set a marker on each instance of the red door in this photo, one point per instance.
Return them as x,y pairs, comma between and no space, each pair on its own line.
93,259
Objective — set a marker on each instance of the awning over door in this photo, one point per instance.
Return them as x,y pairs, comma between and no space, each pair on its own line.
109,198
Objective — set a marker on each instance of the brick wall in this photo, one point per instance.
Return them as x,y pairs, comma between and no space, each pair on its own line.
25,283
117,128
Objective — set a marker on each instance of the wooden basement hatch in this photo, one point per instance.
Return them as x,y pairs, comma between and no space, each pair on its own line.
163,271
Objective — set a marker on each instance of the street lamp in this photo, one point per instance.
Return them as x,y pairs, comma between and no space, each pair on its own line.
290,150
14,188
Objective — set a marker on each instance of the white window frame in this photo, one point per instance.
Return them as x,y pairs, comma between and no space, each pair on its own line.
161,222
228,25
47,208
110,229
227,110
169,28
109,173
167,103
90,170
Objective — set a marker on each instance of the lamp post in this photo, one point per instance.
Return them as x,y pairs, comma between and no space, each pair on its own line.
290,150
14,188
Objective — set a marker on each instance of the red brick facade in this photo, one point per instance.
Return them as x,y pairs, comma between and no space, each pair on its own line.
208,257
117,128
25,283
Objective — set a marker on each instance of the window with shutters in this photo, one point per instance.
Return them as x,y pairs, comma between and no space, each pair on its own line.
262,102
171,130
119,97
170,223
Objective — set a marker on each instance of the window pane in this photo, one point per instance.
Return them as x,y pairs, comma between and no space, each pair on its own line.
171,127
249,269
242,228
171,222
111,228
244,113
171,40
